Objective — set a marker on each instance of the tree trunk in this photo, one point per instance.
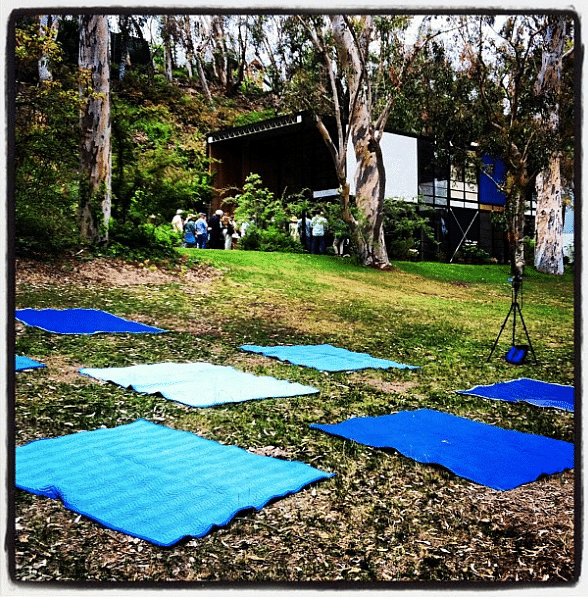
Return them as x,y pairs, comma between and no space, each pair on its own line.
202,79
549,220
48,28
168,62
549,211
369,190
123,25
189,67
95,129
167,47
515,201
370,176
221,63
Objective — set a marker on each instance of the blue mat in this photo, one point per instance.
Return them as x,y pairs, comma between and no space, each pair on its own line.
81,321
539,393
26,363
199,384
325,357
488,455
154,482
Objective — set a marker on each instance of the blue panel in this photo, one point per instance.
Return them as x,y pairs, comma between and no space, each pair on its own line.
325,357
154,482
80,321
491,456
489,193
539,393
199,384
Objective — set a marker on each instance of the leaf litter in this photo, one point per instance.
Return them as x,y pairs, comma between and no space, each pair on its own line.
382,518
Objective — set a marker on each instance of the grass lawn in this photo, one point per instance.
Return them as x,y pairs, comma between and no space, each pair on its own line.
382,517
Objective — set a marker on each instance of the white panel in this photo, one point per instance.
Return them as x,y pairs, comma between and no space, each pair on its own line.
325,193
400,162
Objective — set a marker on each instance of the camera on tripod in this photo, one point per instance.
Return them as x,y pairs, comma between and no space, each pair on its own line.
518,352
517,282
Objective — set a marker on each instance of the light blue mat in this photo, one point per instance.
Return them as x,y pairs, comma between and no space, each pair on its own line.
21,363
325,357
154,482
488,455
539,393
81,321
199,384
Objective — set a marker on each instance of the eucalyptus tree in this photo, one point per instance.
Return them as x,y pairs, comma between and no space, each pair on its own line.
500,62
264,30
168,35
356,73
549,185
95,128
196,37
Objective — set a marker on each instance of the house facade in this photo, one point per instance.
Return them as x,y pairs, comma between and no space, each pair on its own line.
290,156
287,152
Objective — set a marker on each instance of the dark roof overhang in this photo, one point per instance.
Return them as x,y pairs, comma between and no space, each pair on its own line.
257,128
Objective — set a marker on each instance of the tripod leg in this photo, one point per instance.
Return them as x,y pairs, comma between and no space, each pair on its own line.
527,333
501,330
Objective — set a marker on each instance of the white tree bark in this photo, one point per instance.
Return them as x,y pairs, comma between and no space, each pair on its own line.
549,213
48,29
369,174
549,220
95,128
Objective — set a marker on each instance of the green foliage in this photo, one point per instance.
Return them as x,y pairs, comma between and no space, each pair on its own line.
529,250
271,239
255,116
471,252
159,163
403,224
136,241
257,204
45,168
269,217
251,88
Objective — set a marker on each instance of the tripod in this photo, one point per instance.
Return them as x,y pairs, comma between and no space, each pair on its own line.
517,288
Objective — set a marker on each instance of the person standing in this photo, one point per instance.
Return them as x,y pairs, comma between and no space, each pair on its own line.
190,232
201,231
177,222
228,231
318,225
304,232
216,240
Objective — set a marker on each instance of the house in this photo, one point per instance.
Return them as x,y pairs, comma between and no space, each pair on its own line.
287,152
290,156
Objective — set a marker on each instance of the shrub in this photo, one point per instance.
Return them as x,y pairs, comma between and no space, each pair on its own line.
137,242
402,228
471,253
270,240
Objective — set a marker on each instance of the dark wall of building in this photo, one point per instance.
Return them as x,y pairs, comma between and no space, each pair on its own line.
288,160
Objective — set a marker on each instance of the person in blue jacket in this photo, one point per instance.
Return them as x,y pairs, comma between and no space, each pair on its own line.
201,231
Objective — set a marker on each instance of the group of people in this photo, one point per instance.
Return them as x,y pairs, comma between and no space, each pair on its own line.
215,232
219,232
313,234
